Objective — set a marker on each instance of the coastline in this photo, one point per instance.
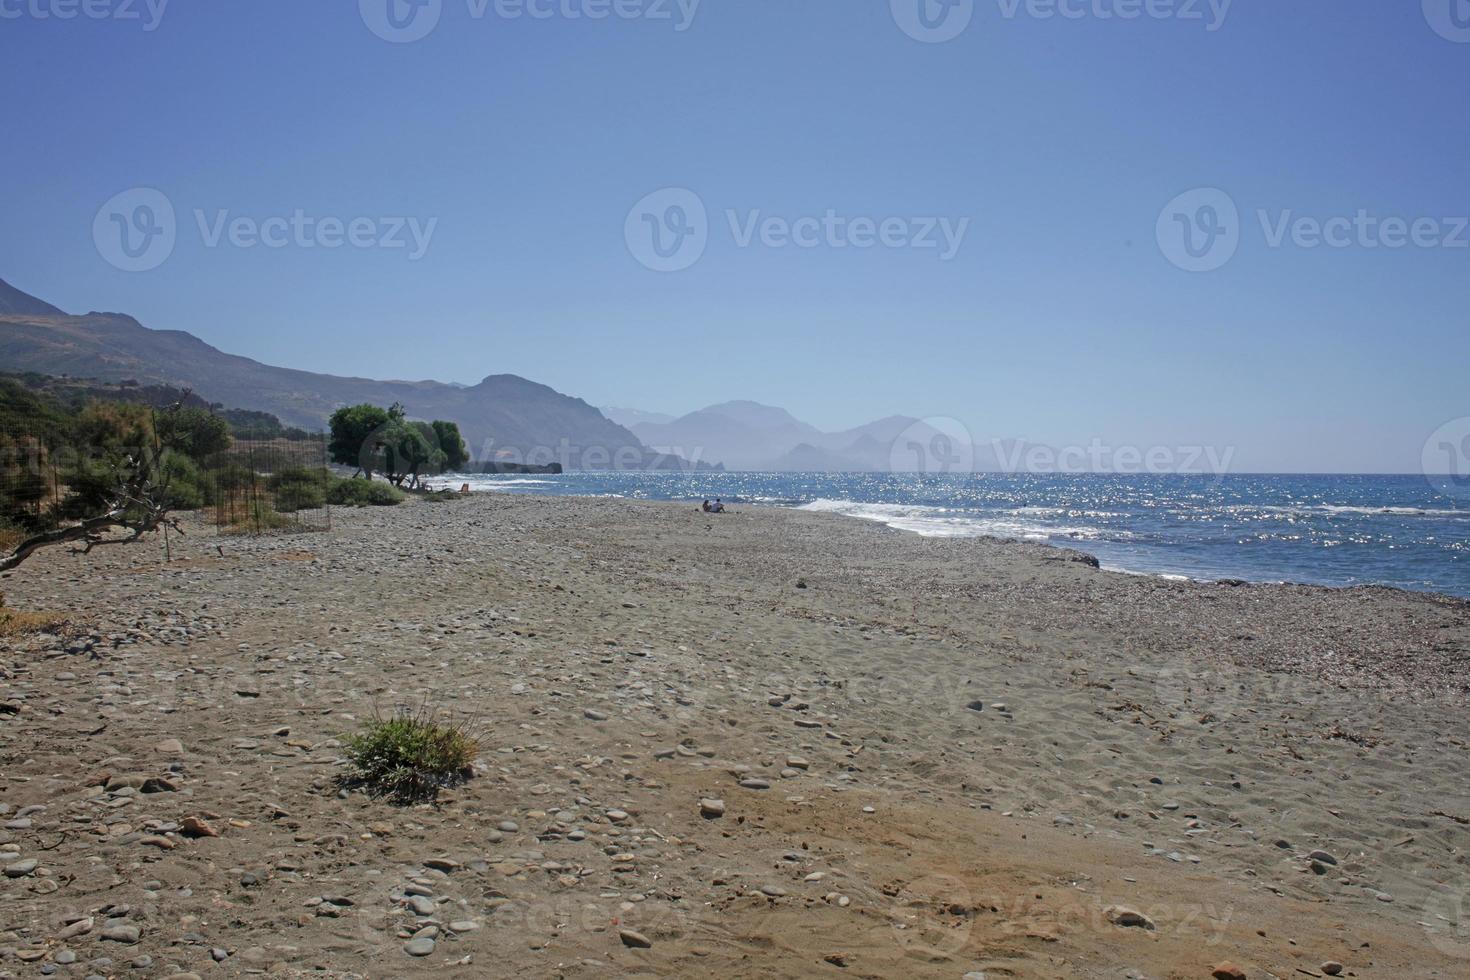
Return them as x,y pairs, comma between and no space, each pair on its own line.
997,745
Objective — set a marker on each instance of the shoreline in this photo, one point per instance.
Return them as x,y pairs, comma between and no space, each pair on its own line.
934,756
1104,564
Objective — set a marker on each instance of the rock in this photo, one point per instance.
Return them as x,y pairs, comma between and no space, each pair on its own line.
162,843
419,947
464,925
976,705
617,816
170,746
78,928
634,940
420,904
1332,968
1119,915
1322,856
1228,971
20,868
594,715
750,782
773,891
442,864
197,827
65,957
122,934
711,809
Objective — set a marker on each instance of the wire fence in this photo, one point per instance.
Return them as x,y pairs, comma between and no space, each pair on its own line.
31,486
53,478
263,486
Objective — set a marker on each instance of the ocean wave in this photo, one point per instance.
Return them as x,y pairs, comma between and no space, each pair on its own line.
945,522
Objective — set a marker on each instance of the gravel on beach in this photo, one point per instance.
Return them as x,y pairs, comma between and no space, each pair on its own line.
767,743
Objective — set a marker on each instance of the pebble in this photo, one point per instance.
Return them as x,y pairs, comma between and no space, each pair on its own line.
122,934
1332,968
78,928
421,905
21,868
1228,971
750,782
1323,856
1129,918
712,808
419,947
635,940
594,714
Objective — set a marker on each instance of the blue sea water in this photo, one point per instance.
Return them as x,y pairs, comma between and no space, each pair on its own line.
1328,530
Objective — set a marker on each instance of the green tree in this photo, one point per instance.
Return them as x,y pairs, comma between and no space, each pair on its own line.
195,432
409,449
456,453
355,432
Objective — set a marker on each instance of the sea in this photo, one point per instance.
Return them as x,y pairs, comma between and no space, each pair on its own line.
1408,532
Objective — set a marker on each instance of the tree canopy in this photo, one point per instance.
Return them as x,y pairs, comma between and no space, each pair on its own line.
378,440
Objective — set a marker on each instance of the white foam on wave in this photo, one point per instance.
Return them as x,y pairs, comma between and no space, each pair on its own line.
481,484
945,522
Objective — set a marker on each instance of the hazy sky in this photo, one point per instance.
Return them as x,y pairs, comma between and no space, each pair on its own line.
1024,269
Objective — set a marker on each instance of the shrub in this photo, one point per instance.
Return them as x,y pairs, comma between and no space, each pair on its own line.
364,493
299,488
187,484
409,757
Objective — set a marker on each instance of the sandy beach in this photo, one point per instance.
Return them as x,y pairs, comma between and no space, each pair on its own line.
764,744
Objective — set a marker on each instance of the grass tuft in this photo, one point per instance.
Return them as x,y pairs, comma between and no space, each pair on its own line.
409,757
14,623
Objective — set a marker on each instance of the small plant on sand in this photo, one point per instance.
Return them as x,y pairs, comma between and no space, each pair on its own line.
407,758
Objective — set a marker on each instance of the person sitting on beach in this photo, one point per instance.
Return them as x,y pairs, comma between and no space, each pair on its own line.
718,508
707,508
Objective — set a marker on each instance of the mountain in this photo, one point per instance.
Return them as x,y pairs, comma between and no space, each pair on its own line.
503,417
747,435
743,435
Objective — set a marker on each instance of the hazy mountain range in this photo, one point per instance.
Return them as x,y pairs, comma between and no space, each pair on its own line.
504,417
746,435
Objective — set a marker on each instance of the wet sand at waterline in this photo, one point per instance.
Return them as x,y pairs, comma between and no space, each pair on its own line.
932,757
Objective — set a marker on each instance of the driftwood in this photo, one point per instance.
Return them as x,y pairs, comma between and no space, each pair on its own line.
138,506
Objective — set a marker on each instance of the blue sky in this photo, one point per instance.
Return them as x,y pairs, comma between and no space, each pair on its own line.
523,143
